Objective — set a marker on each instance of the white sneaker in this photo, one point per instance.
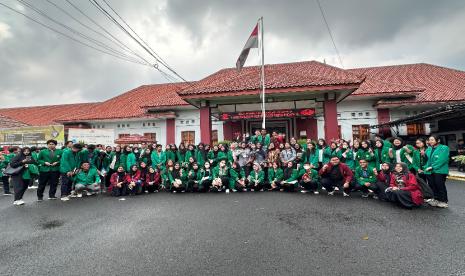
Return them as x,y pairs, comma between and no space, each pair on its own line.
375,197
433,202
331,193
316,193
244,190
73,194
336,188
65,198
442,205
18,202
252,190
227,191
88,194
323,188
33,187
79,195
234,190
364,195
304,191
52,198
174,192
347,195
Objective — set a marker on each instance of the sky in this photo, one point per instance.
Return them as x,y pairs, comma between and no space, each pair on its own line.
200,37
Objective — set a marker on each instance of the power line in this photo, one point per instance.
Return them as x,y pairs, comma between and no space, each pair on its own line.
96,42
330,33
86,26
111,18
68,36
106,31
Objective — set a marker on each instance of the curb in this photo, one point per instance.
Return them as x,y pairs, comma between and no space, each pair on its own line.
456,177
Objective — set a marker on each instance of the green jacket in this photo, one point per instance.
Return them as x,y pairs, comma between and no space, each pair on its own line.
313,174
311,157
199,158
265,141
361,180
411,159
217,172
158,159
368,156
131,160
171,155
31,171
181,157
256,176
87,178
275,176
210,177
69,161
294,177
349,159
234,176
438,159
44,156
385,158
85,155
325,156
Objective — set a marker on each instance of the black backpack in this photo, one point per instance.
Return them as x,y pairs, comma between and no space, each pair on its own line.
425,188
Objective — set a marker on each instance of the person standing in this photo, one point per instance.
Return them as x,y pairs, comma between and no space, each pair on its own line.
69,163
20,184
49,170
438,165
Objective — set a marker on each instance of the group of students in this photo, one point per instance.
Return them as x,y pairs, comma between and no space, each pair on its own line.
388,170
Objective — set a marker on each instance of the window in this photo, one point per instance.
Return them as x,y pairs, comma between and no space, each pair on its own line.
127,125
143,124
367,113
118,126
122,135
188,137
215,136
415,129
360,132
352,114
152,136
360,114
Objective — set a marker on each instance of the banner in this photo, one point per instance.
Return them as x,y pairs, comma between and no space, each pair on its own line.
282,113
32,136
92,136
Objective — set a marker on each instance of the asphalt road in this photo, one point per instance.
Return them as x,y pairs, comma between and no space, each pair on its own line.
237,234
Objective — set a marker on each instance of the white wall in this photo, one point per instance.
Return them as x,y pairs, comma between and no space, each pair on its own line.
356,113
189,120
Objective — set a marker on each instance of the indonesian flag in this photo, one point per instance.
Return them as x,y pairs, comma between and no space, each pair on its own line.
252,42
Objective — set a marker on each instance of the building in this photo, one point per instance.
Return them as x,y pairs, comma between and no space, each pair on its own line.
303,99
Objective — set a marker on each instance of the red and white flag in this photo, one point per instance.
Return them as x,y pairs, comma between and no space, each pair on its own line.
252,42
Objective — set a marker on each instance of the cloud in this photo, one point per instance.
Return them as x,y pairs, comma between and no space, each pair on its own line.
200,37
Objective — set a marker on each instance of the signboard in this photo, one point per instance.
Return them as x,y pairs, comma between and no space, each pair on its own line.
92,136
29,136
282,113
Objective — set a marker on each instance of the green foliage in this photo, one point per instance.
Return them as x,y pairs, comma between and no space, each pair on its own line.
224,142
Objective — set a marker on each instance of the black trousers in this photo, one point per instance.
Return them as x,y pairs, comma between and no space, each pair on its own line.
310,185
6,184
66,185
52,179
20,186
152,188
402,198
437,182
287,187
192,186
329,184
108,177
380,190
205,186
120,191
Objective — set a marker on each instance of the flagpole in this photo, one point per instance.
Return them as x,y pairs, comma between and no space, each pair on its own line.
262,49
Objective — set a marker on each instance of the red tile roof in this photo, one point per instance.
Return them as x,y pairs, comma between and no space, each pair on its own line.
433,83
44,115
7,122
133,104
285,75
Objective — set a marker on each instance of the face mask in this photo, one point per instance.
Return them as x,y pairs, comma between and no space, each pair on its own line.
306,167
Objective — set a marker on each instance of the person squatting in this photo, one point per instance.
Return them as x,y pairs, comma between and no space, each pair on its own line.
388,170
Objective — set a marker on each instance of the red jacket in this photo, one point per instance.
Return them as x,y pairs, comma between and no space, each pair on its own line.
156,179
385,178
411,185
345,171
133,178
114,180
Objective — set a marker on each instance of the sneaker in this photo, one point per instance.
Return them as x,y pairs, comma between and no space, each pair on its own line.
323,188
227,191
7,194
441,204
18,202
79,195
65,198
433,202
52,198
252,190
375,197
304,191
316,192
234,190
40,199
364,195
183,191
336,188
347,195
88,194
33,187
73,194
331,193
174,192
244,190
